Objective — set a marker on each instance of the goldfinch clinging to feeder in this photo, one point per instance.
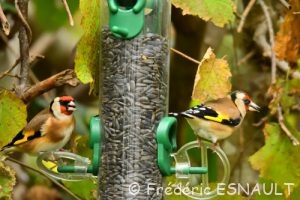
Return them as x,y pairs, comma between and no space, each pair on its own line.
49,130
217,119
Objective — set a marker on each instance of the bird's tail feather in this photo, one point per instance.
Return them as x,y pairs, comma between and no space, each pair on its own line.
182,114
7,149
174,114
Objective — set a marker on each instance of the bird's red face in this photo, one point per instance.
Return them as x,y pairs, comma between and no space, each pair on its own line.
244,100
67,105
62,106
249,104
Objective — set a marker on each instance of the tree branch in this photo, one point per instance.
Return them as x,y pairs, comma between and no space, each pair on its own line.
66,77
271,38
23,15
24,40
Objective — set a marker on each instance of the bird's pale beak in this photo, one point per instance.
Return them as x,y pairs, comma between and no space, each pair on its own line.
71,106
254,107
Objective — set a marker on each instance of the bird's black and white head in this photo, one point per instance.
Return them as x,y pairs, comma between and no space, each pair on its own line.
62,107
243,102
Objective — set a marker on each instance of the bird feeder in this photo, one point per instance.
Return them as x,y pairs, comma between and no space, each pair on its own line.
134,88
134,143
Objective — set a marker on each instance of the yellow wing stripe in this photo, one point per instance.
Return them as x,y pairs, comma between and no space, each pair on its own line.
218,118
25,134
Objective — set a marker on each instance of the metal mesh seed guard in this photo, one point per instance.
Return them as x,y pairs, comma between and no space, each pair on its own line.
134,75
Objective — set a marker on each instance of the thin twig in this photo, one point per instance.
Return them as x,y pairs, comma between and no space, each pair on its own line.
69,12
13,76
245,14
296,13
286,4
5,73
271,38
246,58
32,59
293,139
4,22
261,121
185,56
45,175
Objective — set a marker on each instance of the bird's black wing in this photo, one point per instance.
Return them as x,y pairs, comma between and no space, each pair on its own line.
207,113
31,131
22,137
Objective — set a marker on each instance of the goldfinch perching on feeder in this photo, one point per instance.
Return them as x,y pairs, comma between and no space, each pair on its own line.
217,119
49,130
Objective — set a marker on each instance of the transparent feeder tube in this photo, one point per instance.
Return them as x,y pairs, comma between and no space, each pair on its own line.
133,96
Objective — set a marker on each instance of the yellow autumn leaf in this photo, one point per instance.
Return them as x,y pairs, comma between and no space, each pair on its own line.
212,80
220,12
287,44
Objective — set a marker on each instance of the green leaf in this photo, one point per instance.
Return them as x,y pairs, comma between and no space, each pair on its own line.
212,80
278,160
12,116
85,189
51,15
220,12
87,56
7,181
296,193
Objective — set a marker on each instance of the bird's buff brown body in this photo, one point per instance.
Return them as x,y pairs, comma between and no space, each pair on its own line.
49,130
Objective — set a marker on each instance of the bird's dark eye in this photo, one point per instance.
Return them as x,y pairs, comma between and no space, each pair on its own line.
63,103
247,101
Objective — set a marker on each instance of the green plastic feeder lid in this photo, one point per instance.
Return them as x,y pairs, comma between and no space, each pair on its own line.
126,17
